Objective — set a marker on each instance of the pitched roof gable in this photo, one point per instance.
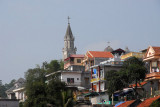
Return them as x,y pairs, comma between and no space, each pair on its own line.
152,51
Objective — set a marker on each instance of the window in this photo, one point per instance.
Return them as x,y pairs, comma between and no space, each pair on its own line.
78,60
154,64
70,80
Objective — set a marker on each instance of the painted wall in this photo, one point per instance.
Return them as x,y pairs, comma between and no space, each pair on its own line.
70,74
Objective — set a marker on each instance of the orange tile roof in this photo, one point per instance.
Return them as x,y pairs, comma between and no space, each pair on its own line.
148,102
157,50
138,85
100,54
125,104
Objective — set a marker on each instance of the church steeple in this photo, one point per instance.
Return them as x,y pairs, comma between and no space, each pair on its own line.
69,35
68,43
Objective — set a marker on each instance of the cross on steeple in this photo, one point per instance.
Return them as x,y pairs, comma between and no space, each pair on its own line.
108,43
68,20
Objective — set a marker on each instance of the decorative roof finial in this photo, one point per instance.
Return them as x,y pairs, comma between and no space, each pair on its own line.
68,20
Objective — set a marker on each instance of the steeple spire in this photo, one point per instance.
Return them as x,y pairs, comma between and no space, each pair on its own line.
69,34
68,42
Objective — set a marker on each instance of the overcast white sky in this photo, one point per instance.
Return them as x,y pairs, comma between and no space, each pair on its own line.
32,31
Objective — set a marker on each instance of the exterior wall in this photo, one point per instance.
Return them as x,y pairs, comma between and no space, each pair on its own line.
147,90
150,52
107,68
75,61
83,79
98,60
75,75
102,86
9,103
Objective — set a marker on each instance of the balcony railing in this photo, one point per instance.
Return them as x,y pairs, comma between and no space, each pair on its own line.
154,75
97,79
74,84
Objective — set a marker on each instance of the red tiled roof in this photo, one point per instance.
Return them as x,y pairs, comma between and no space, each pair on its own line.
77,56
138,85
148,102
100,54
125,104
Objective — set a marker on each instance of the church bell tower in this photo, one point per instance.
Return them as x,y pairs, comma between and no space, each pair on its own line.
68,43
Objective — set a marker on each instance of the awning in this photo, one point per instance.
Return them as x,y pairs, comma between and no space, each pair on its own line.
123,92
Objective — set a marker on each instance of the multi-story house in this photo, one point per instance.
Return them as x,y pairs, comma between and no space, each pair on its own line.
98,72
98,79
92,58
152,57
74,62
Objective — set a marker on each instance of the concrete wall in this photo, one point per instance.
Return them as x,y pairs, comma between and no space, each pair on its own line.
98,99
9,103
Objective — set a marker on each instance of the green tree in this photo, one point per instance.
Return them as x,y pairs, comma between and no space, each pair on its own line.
35,88
2,91
113,81
53,66
134,71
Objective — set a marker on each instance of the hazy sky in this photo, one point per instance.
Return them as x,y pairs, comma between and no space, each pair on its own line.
32,31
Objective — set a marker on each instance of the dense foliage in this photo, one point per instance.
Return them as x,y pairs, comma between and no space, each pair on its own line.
113,81
41,93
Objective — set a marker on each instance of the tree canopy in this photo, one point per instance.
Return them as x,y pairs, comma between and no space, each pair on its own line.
5,87
133,71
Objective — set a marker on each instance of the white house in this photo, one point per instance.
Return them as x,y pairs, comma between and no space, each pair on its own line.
17,91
